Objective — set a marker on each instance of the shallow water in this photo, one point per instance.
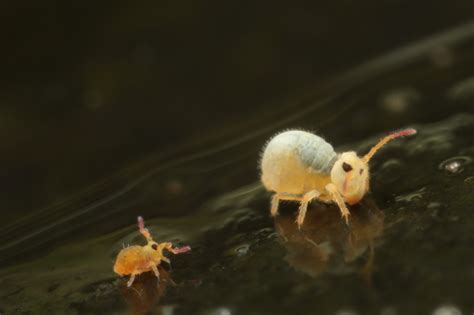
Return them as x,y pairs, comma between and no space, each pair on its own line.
407,250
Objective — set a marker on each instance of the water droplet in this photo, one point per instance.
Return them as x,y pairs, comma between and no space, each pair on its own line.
216,267
447,310
410,197
455,165
242,250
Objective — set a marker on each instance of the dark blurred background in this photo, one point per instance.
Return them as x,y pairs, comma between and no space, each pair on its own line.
89,87
114,109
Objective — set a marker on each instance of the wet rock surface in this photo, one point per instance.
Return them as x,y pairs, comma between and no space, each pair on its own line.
407,250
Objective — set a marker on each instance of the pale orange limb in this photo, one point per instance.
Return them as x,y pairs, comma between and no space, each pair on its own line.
337,198
310,195
175,250
166,260
274,208
179,250
130,281
155,271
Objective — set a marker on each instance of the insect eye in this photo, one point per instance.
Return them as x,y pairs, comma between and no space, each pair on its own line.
346,167
154,246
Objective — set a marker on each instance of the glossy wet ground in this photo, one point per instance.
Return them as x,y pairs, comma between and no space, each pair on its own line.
407,250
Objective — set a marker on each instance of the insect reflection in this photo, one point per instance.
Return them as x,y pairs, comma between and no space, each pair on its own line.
144,295
324,245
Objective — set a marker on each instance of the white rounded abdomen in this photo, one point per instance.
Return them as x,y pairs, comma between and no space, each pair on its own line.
296,162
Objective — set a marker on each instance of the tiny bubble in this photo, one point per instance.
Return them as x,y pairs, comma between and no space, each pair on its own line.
411,197
455,165
242,250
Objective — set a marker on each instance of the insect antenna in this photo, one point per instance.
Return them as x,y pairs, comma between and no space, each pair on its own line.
143,229
383,141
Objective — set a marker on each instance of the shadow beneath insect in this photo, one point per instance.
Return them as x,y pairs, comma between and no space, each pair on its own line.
145,293
325,244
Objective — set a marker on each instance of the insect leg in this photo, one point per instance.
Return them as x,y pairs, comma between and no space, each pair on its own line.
310,195
166,260
337,198
130,281
176,250
156,272
275,201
